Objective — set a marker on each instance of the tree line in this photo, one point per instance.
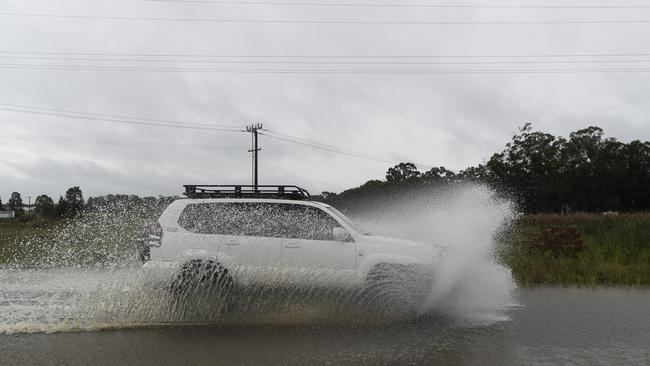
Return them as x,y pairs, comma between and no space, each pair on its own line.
541,172
44,206
72,204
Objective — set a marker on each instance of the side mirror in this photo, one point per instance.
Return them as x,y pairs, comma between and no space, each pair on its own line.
341,235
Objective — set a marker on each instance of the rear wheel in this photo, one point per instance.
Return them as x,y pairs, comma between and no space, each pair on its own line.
202,277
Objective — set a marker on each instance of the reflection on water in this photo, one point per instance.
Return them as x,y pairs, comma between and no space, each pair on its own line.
552,326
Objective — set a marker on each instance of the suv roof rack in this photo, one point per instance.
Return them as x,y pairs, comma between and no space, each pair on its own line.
246,191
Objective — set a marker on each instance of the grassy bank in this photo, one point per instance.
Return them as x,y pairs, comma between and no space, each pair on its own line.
16,236
92,240
581,249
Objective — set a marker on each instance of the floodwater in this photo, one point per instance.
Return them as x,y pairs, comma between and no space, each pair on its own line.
46,325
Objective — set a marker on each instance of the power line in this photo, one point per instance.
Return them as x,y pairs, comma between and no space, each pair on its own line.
274,135
331,148
396,5
141,144
338,151
312,143
94,116
325,22
320,163
329,62
329,56
22,106
121,143
326,71
99,117
162,123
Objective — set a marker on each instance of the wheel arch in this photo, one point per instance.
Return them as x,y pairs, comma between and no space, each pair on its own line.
371,262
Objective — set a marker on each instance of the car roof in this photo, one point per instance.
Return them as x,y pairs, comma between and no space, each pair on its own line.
187,201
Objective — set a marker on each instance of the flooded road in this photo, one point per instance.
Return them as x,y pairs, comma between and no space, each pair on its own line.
548,326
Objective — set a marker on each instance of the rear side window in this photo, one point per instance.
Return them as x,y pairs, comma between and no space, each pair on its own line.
283,220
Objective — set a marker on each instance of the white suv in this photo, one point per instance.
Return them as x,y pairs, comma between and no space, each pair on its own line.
252,240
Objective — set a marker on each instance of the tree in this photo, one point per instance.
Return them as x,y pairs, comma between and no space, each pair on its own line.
0,203
44,206
475,174
74,200
581,158
438,174
402,172
15,203
327,195
634,184
540,172
531,170
61,211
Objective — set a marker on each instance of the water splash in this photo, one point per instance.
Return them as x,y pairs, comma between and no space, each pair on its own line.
103,236
470,285
85,275
59,300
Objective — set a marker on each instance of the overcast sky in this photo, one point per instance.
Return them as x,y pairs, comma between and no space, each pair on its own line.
452,120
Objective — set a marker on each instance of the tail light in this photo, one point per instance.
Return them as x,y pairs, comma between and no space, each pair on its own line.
151,237
153,234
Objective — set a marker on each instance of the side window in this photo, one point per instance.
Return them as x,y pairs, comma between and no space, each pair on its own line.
305,222
216,218
318,225
195,218
293,221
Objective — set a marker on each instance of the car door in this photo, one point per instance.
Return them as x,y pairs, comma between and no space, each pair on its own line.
309,251
245,245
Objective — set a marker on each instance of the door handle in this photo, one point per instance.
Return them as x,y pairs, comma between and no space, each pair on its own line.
292,246
231,243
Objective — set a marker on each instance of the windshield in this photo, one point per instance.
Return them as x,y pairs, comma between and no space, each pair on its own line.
350,223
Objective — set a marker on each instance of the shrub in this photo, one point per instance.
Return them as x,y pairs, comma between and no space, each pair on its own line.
559,241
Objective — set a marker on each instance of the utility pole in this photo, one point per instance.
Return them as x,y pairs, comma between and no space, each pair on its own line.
254,149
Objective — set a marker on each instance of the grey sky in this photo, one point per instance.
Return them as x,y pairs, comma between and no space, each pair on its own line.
454,120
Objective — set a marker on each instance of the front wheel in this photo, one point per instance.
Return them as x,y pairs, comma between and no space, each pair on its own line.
398,288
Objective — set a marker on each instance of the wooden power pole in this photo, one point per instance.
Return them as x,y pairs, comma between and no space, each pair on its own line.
254,149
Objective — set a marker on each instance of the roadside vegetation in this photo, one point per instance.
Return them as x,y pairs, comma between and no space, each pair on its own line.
17,236
579,249
102,231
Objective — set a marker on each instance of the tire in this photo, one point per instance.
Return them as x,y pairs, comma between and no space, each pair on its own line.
395,288
202,277
144,251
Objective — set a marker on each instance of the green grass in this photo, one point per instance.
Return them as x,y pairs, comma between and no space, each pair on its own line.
16,236
103,237
615,251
